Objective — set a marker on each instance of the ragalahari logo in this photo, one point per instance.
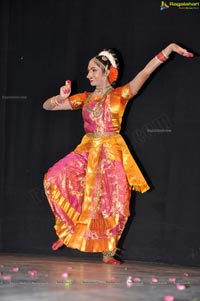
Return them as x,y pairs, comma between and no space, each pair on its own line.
164,5
179,5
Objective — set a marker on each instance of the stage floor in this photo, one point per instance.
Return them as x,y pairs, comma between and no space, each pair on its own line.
52,278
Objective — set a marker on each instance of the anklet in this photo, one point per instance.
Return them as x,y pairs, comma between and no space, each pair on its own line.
110,253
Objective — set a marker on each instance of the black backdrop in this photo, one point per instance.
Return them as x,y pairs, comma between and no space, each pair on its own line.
43,43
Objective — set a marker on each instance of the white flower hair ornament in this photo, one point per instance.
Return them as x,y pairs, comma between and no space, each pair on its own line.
113,71
109,56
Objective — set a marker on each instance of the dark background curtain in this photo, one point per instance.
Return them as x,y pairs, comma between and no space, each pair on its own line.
43,43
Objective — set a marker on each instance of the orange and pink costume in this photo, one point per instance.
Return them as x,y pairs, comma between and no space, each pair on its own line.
89,189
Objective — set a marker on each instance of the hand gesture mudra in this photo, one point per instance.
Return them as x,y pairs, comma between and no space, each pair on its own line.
65,90
173,47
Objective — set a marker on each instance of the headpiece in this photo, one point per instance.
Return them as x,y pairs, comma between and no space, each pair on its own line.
109,56
113,70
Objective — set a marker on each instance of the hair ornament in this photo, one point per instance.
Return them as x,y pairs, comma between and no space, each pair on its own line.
104,58
113,74
109,56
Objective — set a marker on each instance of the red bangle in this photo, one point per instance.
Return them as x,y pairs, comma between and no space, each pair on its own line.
161,57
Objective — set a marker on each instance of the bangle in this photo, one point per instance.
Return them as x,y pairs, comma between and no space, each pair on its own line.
161,57
58,102
53,101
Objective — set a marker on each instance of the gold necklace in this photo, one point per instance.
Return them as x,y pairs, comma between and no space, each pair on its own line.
99,102
100,89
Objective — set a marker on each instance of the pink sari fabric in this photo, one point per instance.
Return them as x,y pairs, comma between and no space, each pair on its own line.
89,190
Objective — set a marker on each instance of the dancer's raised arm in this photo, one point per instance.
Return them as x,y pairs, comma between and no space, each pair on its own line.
137,82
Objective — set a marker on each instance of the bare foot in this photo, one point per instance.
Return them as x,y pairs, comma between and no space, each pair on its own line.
111,260
56,245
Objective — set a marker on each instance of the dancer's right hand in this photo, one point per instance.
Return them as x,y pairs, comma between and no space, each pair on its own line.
65,90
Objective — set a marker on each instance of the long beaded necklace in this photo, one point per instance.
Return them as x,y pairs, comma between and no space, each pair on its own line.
95,111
